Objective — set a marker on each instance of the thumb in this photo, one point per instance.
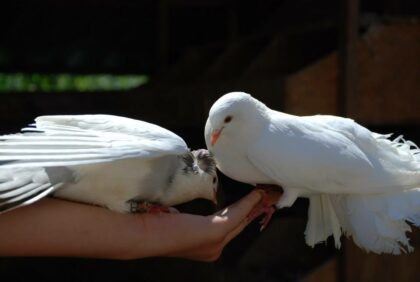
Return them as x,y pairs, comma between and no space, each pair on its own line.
239,211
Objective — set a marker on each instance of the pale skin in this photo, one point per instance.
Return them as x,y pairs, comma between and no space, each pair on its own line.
53,227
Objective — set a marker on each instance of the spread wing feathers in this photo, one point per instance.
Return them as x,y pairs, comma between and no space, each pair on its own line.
85,139
22,187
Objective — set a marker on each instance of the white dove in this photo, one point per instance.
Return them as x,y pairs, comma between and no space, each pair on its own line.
122,164
358,182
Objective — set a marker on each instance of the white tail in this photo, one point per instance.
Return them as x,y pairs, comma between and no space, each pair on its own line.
322,221
377,223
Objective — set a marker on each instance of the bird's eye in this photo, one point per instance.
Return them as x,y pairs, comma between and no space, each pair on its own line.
228,119
214,180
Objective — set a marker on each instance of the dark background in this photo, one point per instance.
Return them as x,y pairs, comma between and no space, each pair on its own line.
193,52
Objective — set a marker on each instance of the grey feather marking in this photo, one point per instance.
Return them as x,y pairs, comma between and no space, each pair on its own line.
162,172
190,163
205,161
60,174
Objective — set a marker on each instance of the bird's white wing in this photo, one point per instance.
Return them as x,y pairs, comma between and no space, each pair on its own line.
304,155
84,139
363,184
396,162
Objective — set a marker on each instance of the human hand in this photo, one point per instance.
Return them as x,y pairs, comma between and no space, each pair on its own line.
200,237
52,227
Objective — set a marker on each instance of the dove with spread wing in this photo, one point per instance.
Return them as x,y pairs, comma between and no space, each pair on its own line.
122,164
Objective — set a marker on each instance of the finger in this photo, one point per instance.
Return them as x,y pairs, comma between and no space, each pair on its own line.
237,212
173,210
241,226
235,232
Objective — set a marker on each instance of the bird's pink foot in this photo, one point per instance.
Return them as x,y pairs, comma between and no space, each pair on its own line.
270,188
147,207
271,195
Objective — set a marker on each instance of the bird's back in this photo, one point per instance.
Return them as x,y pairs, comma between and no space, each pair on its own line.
336,155
396,161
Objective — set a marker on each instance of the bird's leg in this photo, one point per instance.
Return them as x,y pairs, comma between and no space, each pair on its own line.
148,207
267,209
270,188
271,195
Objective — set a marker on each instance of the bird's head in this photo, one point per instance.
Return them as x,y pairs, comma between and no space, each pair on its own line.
234,114
207,165
199,175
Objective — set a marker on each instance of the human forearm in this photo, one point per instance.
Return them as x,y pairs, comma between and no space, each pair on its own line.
54,227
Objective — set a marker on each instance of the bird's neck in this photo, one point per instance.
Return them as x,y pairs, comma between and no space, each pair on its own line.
184,187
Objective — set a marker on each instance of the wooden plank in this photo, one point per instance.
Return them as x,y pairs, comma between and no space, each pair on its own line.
388,84
327,272
365,267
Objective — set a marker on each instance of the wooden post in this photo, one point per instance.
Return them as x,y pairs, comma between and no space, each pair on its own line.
347,59
347,84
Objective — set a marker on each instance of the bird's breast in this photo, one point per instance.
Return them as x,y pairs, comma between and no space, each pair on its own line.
241,169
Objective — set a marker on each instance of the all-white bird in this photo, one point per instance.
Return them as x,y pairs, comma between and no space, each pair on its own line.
122,164
358,182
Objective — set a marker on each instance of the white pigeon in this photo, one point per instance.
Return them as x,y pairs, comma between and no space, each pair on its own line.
122,164
358,182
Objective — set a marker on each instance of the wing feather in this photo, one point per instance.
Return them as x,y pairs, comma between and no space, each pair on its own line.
84,139
305,155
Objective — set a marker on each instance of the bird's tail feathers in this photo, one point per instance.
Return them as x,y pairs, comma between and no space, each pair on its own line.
322,221
376,223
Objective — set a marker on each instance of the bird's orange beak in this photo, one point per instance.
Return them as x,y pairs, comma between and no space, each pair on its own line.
214,136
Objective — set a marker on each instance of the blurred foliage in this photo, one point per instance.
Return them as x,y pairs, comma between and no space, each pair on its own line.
24,82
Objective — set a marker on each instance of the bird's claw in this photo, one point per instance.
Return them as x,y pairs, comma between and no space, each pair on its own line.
268,214
263,208
271,195
152,208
